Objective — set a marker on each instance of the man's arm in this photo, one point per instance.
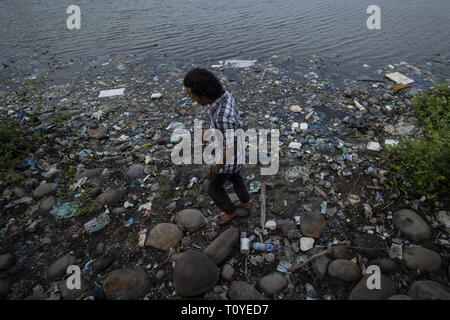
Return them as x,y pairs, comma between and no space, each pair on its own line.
230,147
221,164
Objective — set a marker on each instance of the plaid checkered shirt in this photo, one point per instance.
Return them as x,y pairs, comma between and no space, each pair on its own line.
224,114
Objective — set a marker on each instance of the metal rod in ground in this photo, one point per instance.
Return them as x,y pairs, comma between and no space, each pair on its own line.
263,205
245,267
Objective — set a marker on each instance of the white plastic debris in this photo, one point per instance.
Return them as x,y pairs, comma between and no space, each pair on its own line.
295,145
128,205
111,93
353,199
374,146
396,251
444,219
359,105
296,109
399,78
79,183
271,225
239,63
303,126
146,206
309,115
192,181
367,210
306,243
157,95
123,138
390,142
98,114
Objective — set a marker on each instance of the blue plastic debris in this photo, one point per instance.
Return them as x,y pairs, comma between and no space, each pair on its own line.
378,196
134,184
254,186
130,222
88,266
84,153
32,162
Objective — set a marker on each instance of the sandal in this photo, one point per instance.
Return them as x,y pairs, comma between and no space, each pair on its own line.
224,218
239,204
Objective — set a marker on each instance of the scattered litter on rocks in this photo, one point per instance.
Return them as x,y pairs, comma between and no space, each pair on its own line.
103,175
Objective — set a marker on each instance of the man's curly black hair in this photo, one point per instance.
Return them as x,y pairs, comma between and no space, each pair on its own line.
203,83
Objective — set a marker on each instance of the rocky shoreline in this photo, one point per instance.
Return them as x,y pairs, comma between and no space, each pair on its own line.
154,236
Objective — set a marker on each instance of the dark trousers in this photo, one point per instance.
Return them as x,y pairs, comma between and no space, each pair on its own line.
220,197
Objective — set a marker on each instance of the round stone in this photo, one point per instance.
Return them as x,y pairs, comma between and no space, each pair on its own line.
7,261
45,189
272,284
428,290
135,171
422,259
164,236
312,224
241,290
126,284
341,252
160,274
362,292
221,247
59,267
227,273
344,270
195,273
46,205
111,197
269,257
400,297
411,225
191,219
72,294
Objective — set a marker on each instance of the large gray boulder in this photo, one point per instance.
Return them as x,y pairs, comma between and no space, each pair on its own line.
422,259
45,189
362,292
344,269
195,273
272,284
428,290
135,171
221,247
191,219
412,225
111,197
126,284
241,290
59,267
72,294
164,236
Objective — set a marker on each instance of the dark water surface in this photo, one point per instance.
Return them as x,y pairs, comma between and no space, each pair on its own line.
203,29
